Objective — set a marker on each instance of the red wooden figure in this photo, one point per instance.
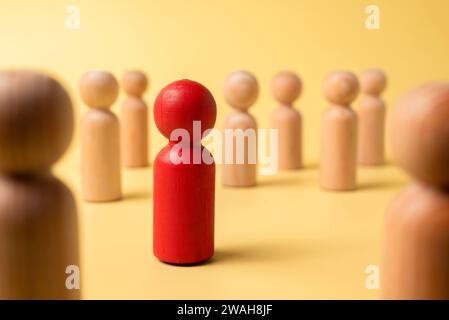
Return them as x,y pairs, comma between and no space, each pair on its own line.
184,193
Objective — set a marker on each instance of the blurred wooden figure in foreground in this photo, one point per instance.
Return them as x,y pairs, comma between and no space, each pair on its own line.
38,218
416,262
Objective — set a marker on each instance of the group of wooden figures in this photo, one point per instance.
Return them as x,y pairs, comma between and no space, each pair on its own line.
38,216
346,136
106,142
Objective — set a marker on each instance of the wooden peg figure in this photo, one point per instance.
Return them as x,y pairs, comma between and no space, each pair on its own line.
134,121
184,175
416,255
286,88
240,164
38,218
100,144
371,115
339,133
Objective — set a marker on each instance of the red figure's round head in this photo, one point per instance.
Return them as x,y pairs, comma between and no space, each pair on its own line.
181,103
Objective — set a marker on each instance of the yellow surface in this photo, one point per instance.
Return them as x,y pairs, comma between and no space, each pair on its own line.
285,238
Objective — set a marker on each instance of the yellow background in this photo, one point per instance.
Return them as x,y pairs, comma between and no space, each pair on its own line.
285,238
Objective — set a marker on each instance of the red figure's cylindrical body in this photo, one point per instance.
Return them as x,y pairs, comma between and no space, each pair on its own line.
184,175
183,210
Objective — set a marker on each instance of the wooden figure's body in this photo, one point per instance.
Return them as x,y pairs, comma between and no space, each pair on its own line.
134,121
38,238
38,217
100,156
100,139
338,158
371,115
417,245
184,198
416,253
371,144
184,176
286,88
338,149
288,122
240,90
236,174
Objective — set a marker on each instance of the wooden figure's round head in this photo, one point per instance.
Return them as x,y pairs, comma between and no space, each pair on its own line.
286,87
419,133
373,81
134,83
98,89
36,122
181,103
341,88
241,90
